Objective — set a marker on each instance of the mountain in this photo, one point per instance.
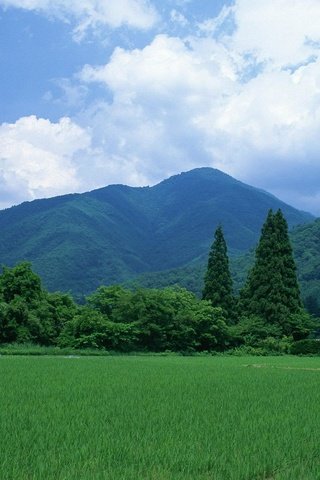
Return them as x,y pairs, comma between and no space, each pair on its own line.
80,241
306,247
305,241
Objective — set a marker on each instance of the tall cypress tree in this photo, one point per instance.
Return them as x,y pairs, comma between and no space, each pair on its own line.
272,290
218,281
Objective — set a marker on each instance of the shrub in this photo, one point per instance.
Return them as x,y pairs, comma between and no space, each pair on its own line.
306,347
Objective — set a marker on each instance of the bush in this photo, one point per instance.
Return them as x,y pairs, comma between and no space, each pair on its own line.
276,346
252,330
247,350
306,347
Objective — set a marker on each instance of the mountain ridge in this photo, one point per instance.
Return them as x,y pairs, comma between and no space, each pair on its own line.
108,235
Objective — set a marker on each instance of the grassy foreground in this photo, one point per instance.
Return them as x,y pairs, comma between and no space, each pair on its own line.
153,418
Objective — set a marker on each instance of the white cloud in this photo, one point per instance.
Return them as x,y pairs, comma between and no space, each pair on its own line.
230,102
37,158
160,94
165,66
244,99
282,32
92,14
219,25
178,18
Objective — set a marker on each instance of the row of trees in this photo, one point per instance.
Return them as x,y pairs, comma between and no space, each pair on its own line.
113,317
269,304
268,312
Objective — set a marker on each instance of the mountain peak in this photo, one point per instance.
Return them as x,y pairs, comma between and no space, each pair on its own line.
205,173
77,242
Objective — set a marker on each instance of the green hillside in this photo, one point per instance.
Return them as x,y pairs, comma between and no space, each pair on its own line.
306,246
191,276
306,242
78,242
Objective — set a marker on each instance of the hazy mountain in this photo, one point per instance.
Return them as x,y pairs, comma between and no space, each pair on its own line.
77,242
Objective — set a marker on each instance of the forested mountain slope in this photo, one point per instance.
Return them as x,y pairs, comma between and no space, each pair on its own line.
80,241
306,243
305,240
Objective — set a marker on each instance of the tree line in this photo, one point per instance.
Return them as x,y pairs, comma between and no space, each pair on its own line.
266,316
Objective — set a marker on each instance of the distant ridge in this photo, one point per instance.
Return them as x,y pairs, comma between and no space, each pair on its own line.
77,242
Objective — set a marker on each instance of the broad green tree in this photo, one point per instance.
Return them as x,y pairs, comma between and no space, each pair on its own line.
218,282
20,281
28,313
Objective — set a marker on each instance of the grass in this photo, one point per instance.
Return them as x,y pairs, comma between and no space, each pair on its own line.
154,418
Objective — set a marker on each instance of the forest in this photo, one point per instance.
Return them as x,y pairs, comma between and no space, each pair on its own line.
266,317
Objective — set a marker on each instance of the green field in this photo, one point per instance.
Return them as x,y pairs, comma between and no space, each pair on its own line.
159,418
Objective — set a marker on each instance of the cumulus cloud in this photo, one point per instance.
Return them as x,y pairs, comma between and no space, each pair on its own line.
160,94
92,14
242,93
281,32
247,102
37,158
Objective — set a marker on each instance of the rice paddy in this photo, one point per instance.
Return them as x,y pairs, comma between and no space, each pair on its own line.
159,418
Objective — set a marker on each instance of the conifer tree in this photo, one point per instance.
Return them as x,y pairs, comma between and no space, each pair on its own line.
272,290
218,281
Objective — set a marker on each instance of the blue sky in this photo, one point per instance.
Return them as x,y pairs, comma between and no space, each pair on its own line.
132,91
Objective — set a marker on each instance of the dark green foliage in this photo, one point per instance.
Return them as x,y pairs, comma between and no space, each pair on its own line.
306,246
299,325
108,300
255,332
62,309
312,303
20,281
114,318
168,319
20,290
27,312
189,277
306,347
14,321
305,241
217,282
79,242
91,329
252,330
272,290
212,332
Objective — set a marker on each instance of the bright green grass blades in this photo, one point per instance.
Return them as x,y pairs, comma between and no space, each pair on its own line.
173,418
